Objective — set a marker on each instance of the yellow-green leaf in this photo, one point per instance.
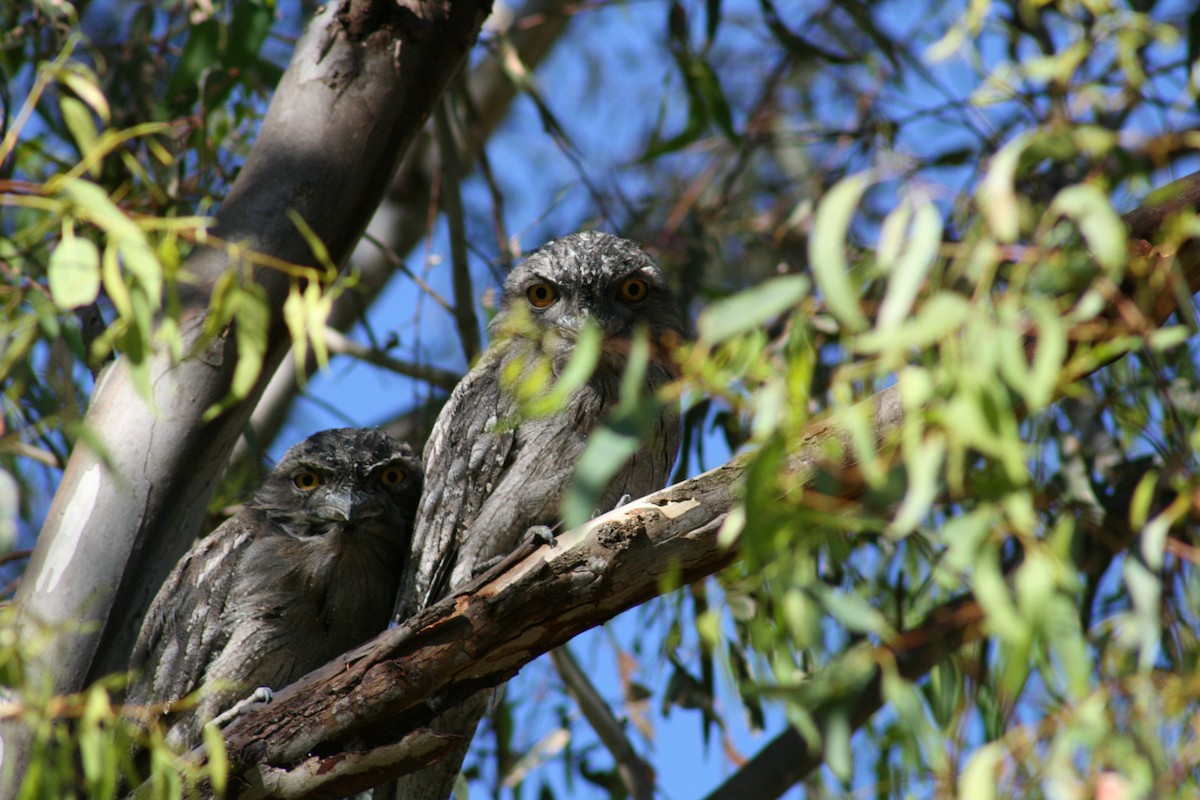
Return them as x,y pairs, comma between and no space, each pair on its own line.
83,82
827,250
78,119
74,272
909,268
978,781
750,309
1100,225
997,196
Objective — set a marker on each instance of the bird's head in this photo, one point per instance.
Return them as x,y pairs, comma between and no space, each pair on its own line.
589,278
345,479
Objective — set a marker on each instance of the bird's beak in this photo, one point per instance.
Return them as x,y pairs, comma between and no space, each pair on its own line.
572,325
346,505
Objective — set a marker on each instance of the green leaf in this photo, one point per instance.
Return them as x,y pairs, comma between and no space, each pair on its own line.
98,207
837,732
84,83
114,283
612,445
1035,585
1100,225
201,53
994,597
750,309
80,123
707,84
978,781
997,196
1048,357
253,322
910,268
923,465
854,612
827,250
690,133
10,508
252,20
141,261
712,19
1037,382
1143,496
218,759
1144,629
607,449
74,272
584,358
940,316
1166,338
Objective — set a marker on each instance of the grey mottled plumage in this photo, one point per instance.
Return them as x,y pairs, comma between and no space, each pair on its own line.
494,481
306,570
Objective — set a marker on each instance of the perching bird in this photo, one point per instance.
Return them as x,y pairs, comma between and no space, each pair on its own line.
496,478
307,570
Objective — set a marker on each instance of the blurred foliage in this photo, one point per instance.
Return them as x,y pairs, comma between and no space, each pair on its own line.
86,744
851,196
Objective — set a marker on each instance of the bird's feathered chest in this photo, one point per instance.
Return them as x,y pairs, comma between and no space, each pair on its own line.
335,586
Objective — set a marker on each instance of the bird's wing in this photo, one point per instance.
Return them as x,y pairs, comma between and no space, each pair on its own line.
542,466
467,453
184,629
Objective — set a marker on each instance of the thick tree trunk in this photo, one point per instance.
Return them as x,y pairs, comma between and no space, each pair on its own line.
363,80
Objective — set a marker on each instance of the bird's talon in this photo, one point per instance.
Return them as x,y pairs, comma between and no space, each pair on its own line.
541,534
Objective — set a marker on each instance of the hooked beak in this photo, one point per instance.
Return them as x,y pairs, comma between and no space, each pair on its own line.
346,505
571,325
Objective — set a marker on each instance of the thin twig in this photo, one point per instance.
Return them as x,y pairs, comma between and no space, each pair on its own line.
634,771
341,344
393,258
464,302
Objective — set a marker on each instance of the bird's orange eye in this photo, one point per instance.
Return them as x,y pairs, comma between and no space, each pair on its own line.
634,290
392,476
541,295
306,481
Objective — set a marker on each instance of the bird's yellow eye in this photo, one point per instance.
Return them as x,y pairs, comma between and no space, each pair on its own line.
634,290
541,295
306,480
392,476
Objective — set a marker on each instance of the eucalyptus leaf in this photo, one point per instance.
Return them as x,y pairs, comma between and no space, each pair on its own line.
1100,225
78,119
910,268
997,196
74,272
978,779
827,250
751,308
